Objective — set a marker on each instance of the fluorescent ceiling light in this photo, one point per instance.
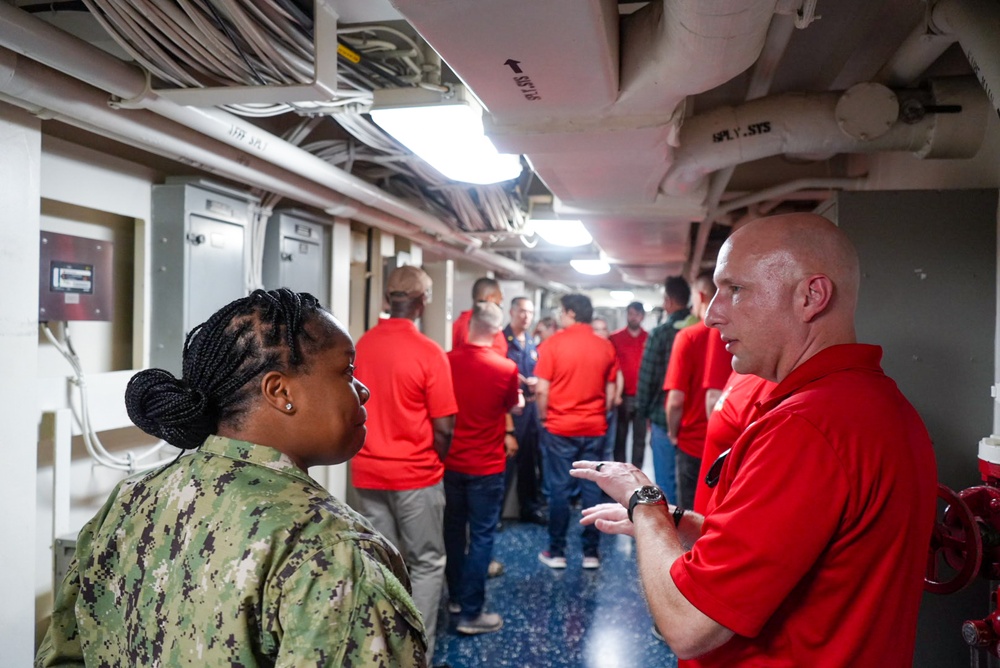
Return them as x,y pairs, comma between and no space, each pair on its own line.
624,296
569,233
446,131
591,267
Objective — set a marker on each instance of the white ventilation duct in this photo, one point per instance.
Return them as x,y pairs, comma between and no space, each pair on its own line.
801,123
590,138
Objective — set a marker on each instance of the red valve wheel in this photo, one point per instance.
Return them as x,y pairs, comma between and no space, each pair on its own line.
956,541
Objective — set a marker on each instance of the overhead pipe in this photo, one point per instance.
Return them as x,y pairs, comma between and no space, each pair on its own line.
32,37
42,90
788,187
811,123
917,52
976,23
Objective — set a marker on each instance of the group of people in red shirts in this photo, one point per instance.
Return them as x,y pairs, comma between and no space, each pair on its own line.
442,435
771,403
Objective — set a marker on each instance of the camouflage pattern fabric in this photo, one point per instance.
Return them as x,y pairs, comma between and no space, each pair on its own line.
232,556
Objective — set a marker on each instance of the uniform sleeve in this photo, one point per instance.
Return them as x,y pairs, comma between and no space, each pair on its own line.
61,645
763,538
680,367
440,388
343,608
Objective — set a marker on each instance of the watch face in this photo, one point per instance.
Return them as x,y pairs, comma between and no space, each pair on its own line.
649,494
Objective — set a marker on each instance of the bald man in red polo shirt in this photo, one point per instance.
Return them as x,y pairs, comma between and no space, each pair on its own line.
813,547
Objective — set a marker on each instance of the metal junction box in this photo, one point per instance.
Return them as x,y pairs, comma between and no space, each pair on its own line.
199,260
74,278
297,254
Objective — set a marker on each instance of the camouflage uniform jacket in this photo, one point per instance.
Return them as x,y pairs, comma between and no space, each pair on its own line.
233,556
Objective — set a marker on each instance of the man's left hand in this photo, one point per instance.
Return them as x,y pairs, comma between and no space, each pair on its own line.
618,480
510,445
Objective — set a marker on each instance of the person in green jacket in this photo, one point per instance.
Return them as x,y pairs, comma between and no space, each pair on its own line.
233,555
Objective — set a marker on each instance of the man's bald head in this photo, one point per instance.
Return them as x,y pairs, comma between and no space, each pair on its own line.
787,288
802,244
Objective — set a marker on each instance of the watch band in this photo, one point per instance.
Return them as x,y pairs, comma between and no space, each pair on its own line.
636,499
678,515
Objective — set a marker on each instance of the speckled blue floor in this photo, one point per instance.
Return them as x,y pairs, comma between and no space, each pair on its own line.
559,619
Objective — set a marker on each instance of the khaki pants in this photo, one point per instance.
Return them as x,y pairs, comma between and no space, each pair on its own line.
413,521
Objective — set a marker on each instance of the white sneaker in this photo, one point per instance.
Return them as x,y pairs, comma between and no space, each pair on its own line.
591,563
486,622
454,608
551,561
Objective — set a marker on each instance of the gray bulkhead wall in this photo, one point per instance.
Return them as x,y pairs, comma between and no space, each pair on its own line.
928,297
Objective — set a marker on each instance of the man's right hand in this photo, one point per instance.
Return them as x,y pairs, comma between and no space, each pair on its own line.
609,518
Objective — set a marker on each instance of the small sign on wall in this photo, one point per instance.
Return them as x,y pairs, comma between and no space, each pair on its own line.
74,278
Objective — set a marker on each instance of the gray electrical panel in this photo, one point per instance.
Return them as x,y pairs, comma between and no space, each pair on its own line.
199,260
297,254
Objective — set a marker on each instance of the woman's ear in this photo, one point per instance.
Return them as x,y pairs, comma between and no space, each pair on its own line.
277,391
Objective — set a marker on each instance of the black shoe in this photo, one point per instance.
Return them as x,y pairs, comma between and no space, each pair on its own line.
536,517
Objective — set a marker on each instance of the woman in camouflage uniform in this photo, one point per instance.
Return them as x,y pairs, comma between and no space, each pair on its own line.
234,556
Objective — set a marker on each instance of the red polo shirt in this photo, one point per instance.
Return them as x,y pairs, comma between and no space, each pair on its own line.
629,350
460,334
578,365
718,362
686,372
732,414
410,383
486,388
815,544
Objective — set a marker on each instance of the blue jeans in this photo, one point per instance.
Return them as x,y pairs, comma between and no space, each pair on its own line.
610,436
472,501
560,453
664,461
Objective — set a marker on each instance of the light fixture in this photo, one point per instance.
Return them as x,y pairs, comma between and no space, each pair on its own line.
623,296
570,233
445,129
591,267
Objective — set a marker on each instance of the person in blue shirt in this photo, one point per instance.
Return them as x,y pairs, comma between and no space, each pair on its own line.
527,463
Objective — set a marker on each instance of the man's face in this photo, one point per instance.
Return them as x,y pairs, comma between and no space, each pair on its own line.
521,315
600,328
495,297
634,318
753,308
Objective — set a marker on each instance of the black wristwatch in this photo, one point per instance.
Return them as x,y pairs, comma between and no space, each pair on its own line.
647,495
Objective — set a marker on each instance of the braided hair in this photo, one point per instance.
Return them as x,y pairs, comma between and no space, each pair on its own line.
224,359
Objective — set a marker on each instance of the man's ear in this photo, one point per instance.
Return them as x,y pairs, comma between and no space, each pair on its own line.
277,391
816,294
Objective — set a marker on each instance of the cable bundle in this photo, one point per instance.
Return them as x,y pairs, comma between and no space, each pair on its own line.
202,43
95,448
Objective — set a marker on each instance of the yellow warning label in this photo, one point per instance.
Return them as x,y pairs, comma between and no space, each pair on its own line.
347,53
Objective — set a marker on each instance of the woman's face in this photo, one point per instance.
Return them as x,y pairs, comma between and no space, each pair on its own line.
329,415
